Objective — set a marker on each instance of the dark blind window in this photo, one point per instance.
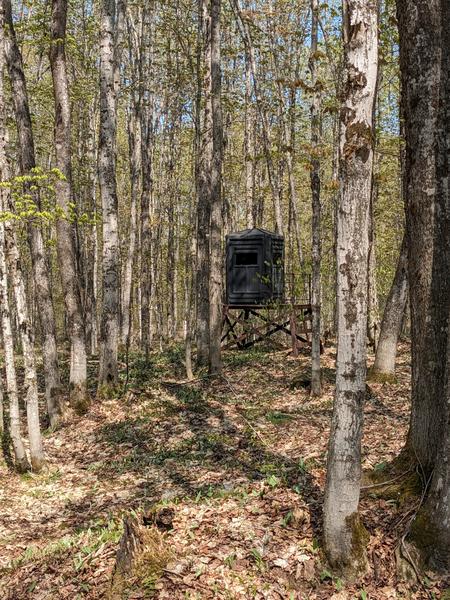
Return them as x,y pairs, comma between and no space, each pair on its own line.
246,259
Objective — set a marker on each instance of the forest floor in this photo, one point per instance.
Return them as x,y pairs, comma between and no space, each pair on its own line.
240,460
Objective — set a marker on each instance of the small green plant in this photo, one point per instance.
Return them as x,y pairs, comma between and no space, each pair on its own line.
287,519
302,466
338,584
257,557
230,560
278,418
324,575
273,481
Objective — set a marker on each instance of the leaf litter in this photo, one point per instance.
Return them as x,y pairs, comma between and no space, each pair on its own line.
240,460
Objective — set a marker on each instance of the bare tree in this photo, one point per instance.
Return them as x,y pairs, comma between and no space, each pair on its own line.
27,163
21,460
424,29
109,334
205,150
216,257
384,365
421,48
64,196
316,387
343,532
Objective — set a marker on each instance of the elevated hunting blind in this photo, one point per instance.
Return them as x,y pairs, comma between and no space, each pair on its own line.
255,267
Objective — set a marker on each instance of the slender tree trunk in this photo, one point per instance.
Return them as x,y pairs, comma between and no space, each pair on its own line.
249,162
147,255
204,194
64,196
373,321
391,324
91,254
135,143
10,262
420,61
216,258
271,171
40,270
316,386
26,336
21,460
109,334
345,536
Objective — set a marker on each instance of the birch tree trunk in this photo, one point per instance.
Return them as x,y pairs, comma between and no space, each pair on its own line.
27,163
216,257
64,197
344,535
384,365
109,332
420,61
26,336
21,460
316,386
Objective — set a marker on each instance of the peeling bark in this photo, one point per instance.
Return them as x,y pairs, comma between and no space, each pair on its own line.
343,533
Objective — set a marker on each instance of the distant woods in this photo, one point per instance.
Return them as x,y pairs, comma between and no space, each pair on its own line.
134,136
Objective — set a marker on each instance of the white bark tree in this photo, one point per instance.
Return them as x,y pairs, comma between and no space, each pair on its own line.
344,535
27,162
109,333
64,197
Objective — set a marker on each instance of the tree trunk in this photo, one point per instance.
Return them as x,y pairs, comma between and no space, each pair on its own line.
26,336
40,271
345,536
420,61
147,258
91,240
391,324
64,196
249,160
216,255
204,194
430,531
271,171
21,460
316,387
109,333
135,143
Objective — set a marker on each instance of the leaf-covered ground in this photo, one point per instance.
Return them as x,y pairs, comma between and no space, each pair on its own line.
241,460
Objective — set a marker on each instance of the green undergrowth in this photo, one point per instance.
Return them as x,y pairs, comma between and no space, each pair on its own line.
80,545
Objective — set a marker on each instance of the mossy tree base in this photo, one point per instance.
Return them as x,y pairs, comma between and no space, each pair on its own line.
432,543
375,376
352,565
108,391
